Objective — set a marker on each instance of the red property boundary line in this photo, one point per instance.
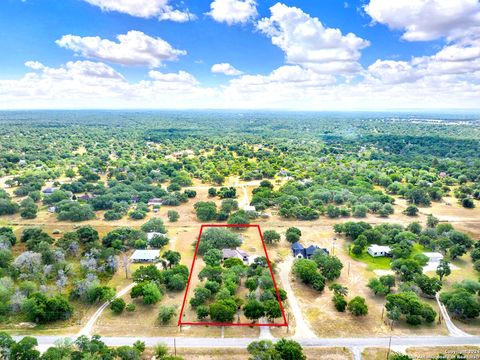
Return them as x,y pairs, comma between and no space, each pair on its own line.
180,322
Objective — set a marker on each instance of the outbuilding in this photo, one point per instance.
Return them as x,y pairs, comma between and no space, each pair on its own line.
433,257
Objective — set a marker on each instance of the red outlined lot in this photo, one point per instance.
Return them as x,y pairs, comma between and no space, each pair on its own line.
180,322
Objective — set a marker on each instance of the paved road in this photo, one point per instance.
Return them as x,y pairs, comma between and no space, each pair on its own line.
192,342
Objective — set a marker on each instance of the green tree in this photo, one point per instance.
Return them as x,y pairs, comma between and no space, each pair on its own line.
173,215
151,293
272,309
339,302
377,287
432,221
166,313
429,285
213,257
443,269
223,311
173,257
154,225
263,350
254,309
407,304
411,210
406,268
357,306
117,305
87,234
461,303
25,349
338,289
330,266
202,312
218,238
290,350
271,236
293,234
205,210
239,217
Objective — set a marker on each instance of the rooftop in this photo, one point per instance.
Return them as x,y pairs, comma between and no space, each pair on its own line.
145,255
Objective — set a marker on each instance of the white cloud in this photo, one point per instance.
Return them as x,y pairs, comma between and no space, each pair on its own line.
423,20
448,79
233,11
132,48
182,77
87,84
456,62
393,72
307,42
225,68
145,9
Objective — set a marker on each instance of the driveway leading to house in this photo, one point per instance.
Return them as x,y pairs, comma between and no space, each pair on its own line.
302,328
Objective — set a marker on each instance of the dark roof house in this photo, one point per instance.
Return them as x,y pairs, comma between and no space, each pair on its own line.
301,252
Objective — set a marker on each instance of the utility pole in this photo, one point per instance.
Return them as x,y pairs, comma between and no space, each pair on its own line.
288,321
175,345
389,347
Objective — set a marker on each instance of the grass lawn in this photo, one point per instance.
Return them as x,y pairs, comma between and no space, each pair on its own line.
374,263
382,263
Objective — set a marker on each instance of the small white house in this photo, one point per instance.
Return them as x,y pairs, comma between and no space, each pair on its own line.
379,250
145,256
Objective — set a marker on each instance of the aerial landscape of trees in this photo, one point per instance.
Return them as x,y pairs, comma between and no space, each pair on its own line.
81,193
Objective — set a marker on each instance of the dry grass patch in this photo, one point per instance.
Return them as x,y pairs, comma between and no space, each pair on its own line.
242,354
470,352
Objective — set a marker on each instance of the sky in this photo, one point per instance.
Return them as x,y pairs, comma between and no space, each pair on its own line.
240,54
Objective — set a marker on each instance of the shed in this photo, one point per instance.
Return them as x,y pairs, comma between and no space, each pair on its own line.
433,257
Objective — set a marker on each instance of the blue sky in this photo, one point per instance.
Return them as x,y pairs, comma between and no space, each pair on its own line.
405,48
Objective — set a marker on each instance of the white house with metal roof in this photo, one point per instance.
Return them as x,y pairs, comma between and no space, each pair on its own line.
379,250
145,256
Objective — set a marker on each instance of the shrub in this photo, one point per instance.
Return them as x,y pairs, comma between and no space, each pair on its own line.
339,302
117,305
166,313
357,306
